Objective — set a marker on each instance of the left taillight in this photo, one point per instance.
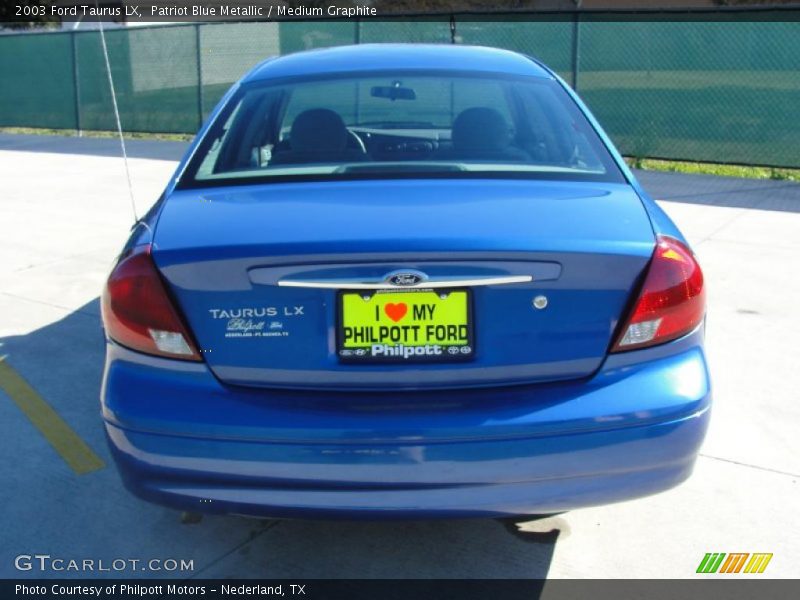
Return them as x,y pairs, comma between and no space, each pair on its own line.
139,313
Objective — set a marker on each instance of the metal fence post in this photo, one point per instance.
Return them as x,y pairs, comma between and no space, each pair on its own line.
576,48
76,83
199,55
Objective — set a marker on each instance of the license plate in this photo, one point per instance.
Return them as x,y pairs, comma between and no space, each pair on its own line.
407,326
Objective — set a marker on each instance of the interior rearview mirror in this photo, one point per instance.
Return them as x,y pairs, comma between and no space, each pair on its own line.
393,92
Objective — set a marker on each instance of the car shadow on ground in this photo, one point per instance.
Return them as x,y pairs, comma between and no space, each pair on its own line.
519,548
731,192
94,146
65,514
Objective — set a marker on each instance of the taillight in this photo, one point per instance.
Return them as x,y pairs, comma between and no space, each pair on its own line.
672,301
138,312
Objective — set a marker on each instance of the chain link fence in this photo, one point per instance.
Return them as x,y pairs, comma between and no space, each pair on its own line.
699,89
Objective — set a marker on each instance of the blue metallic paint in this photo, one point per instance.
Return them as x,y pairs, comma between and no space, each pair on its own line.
661,223
182,437
380,57
413,224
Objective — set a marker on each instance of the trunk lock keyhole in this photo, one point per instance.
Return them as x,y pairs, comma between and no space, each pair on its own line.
540,302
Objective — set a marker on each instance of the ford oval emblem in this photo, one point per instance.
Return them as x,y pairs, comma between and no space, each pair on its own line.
406,278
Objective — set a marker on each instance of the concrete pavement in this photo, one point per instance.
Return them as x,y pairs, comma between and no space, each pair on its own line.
64,213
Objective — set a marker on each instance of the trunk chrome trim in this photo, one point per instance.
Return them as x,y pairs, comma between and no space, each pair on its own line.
348,284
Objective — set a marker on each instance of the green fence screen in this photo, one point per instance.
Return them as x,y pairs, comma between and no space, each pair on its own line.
703,89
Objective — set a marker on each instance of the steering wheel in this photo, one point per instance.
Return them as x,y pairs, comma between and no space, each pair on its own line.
354,141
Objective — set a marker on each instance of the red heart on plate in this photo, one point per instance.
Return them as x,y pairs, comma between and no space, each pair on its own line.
395,311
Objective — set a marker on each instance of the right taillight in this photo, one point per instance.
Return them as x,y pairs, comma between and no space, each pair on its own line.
138,312
672,301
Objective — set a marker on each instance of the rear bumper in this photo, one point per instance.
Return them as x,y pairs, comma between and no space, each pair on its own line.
182,439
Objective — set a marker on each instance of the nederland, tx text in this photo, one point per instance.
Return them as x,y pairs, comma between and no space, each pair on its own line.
172,589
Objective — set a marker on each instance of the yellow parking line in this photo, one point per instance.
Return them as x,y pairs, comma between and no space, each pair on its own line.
55,430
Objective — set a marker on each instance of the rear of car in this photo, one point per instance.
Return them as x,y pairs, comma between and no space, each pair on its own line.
403,280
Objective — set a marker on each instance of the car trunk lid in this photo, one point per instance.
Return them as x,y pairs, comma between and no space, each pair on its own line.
225,252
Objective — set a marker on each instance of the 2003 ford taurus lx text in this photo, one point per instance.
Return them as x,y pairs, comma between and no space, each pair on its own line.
399,280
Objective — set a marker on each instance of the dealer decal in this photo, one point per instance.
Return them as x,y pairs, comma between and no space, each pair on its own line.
412,324
257,322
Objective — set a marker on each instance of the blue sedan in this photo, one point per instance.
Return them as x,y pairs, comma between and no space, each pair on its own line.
403,281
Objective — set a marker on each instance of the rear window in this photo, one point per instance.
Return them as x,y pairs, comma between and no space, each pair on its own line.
400,125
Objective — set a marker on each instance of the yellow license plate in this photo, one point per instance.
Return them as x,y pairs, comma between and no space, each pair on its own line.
407,326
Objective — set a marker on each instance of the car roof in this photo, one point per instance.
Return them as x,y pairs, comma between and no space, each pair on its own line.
377,57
